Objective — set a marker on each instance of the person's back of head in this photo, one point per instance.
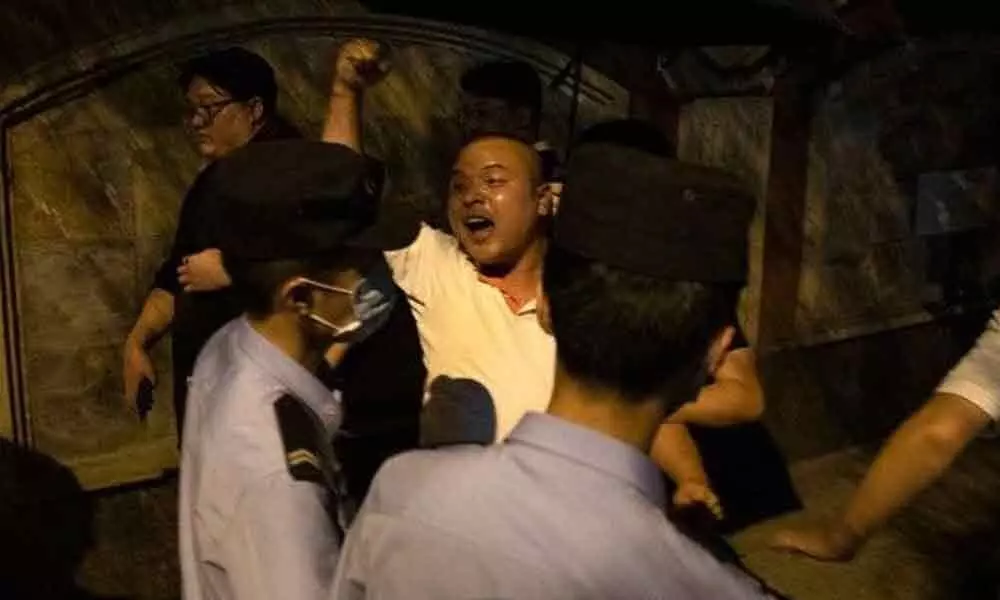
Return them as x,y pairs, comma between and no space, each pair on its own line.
644,269
630,133
45,524
502,97
632,333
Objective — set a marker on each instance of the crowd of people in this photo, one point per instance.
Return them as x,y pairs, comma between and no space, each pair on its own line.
548,397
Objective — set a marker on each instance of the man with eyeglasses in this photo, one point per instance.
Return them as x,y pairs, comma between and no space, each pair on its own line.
231,98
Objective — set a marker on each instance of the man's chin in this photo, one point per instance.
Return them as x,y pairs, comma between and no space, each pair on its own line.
494,266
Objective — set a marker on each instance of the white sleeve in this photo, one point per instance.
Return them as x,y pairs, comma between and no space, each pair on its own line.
977,376
281,542
415,266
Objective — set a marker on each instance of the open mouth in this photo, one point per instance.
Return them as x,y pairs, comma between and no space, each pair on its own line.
478,227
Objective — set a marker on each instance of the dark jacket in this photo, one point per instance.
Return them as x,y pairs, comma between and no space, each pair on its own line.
199,315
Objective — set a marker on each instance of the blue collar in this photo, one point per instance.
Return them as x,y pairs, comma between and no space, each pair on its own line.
593,449
291,375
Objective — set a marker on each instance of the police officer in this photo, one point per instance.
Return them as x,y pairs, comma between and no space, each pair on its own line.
263,504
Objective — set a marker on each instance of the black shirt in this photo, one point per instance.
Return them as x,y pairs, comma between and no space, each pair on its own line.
197,316
382,385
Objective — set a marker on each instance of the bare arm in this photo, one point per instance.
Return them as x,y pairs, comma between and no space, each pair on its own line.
343,118
736,396
359,65
914,457
675,452
154,320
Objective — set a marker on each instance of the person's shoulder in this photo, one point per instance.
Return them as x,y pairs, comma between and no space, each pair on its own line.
417,465
219,362
442,240
237,417
406,476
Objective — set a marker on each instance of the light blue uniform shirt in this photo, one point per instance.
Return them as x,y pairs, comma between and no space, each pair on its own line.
556,511
248,529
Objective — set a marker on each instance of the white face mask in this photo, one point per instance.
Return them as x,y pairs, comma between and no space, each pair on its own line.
372,300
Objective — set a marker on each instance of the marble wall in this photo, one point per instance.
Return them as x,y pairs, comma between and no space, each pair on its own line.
902,145
734,134
96,186
896,146
900,254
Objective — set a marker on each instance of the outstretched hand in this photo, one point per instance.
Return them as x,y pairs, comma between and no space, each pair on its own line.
828,541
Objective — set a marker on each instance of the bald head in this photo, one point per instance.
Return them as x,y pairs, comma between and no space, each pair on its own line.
514,153
496,200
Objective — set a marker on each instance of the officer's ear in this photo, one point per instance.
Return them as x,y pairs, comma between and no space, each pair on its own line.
296,295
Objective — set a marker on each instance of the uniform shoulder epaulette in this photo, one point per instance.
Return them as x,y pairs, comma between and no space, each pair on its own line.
299,436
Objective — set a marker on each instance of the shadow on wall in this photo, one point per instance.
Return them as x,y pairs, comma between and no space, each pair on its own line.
952,129
46,527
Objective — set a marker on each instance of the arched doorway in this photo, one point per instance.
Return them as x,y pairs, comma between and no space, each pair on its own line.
94,167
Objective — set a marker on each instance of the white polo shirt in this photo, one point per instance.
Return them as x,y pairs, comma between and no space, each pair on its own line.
469,332
977,376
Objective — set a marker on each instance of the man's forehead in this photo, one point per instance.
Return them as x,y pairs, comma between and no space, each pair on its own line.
201,88
494,152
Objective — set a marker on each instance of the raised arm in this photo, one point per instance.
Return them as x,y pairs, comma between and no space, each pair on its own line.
359,64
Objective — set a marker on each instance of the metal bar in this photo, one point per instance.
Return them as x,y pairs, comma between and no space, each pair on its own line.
13,372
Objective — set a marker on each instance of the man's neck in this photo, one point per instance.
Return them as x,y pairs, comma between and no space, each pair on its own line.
519,283
605,411
283,331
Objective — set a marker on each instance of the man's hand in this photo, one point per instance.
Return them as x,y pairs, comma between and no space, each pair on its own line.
137,366
695,492
335,354
360,64
203,272
829,541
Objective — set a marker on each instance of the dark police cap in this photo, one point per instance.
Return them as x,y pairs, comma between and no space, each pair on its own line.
641,212
298,199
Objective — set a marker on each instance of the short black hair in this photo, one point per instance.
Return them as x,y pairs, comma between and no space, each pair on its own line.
632,333
513,81
631,133
516,85
243,74
256,282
